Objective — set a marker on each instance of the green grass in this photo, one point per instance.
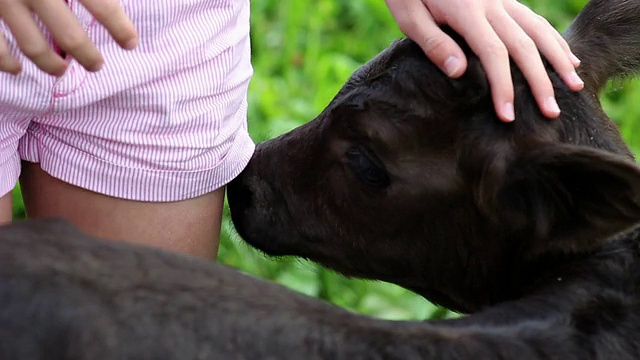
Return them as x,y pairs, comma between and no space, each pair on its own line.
303,51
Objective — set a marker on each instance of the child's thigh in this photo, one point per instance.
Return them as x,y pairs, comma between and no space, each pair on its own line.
190,226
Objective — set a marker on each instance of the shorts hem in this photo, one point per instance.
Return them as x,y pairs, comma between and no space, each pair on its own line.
10,171
91,173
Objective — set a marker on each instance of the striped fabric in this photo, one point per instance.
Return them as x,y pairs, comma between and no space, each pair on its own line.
164,122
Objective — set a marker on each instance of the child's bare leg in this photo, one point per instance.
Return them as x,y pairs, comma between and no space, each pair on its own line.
190,226
6,208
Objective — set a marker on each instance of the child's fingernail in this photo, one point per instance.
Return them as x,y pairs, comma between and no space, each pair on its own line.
452,66
574,59
575,79
508,112
131,44
551,105
96,67
11,65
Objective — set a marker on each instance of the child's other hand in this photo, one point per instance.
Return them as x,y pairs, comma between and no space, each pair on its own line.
18,15
494,29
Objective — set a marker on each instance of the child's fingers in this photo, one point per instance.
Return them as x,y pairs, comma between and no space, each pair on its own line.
8,63
112,16
551,44
67,33
29,38
417,23
494,56
65,30
524,52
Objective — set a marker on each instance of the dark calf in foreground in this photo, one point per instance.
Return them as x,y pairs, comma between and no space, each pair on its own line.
67,296
406,177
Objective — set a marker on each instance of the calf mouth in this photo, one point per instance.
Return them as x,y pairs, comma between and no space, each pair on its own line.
258,213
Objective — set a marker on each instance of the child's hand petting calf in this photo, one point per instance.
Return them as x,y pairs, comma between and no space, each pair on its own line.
495,30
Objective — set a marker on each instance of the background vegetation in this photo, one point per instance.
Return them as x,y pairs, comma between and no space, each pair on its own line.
303,51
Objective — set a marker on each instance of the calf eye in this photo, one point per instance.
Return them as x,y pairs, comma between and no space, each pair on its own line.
367,168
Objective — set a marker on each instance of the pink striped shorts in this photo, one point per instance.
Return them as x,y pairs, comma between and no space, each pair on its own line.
164,122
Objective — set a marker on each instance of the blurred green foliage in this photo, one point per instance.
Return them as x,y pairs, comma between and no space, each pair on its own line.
303,51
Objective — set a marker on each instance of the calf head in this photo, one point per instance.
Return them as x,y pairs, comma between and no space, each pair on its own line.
408,176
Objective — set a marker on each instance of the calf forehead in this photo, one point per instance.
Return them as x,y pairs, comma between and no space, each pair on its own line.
398,52
401,83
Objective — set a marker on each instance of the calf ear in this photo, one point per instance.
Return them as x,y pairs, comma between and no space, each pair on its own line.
564,198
